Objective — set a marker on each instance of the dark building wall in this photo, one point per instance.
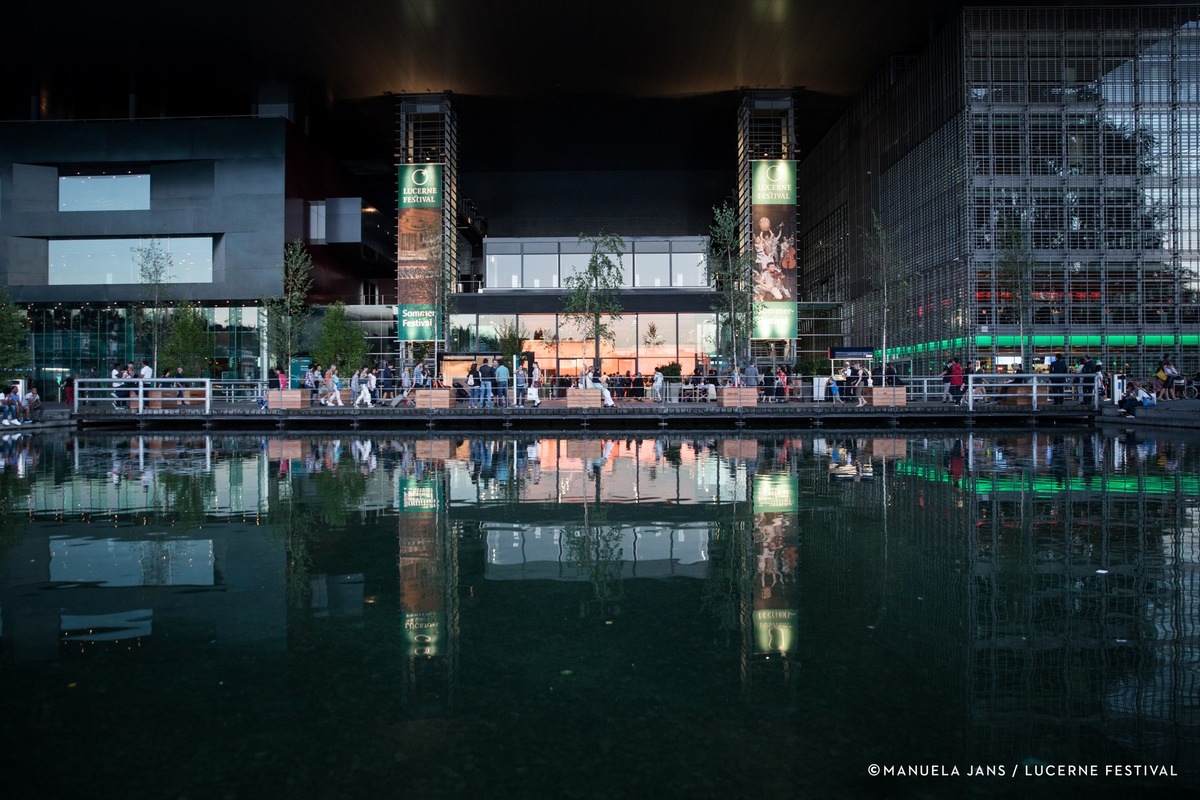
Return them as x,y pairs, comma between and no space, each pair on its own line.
220,178
641,203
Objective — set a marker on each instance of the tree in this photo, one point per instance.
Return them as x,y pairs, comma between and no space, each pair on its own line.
340,341
888,281
593,294
730,270
1014,276
511,340
14,340
288,313
186,341
155,268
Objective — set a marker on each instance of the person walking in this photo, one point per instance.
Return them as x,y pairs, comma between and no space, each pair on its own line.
657,385
333,386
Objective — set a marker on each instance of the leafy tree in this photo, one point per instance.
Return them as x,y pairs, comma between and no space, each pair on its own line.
288,313
340,341
594,294
730,269
1014,275
511,339
155,269
186,341
14,341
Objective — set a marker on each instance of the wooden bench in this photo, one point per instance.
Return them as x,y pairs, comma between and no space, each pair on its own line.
582,398
288,398
734,397
885,395
1019,394
432,398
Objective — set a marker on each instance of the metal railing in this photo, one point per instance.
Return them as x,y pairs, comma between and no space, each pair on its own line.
138,396
203,394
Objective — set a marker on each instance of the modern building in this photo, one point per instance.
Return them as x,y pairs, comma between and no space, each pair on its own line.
1034,173
1009,175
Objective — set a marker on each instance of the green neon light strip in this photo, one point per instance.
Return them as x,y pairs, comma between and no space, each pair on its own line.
1076,341
1049,485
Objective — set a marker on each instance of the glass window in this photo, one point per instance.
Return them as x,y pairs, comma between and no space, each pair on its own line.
462,332
541,271
503,272
651,270
75,262
689,269
104,193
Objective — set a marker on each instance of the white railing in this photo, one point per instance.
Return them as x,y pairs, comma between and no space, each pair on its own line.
159,394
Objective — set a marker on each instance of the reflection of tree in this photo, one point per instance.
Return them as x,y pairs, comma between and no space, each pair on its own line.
594,548
182,498
731,574
339,491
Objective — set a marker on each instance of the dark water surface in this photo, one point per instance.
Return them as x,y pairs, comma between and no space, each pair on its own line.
776,617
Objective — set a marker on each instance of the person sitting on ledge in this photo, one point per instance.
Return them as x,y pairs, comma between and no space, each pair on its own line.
588,382
1135,397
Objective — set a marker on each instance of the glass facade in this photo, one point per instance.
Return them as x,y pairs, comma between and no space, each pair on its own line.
104,193
86,341
1071,130
669,262
88,262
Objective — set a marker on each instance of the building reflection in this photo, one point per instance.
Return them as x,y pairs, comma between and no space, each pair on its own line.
1051,576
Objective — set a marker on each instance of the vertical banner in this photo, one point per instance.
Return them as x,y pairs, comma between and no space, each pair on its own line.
423,569
773,211
777,557
419,251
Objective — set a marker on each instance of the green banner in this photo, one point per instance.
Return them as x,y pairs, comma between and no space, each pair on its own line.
776,630
775,321
773,182
417,323
420,185
417,496
777,493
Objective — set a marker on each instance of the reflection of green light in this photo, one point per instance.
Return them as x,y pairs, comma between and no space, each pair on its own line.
1047,485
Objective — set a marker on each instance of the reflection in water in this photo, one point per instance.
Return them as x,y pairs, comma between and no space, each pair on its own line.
441,615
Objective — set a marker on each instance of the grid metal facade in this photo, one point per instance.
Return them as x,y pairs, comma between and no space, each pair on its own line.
1077,127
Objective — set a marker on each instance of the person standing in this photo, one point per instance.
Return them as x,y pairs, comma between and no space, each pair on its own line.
473,386
750,377
956,380
535,384
520,383
1058,368
657,384
487,377
500,373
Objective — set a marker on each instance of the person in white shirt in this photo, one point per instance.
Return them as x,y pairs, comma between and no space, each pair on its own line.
147,372
591,383
364,388
657,385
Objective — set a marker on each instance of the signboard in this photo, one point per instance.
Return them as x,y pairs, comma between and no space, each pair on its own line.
419,236
417,495
421,186
852,353
417,323
775,493
773,211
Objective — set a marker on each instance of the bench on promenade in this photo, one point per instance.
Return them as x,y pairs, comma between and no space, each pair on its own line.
289,398
583,398
885,395
736,396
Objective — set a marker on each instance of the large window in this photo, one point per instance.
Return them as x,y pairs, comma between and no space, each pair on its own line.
74,262
104,193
